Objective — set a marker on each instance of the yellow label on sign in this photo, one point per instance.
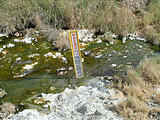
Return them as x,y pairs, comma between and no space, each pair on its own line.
76,54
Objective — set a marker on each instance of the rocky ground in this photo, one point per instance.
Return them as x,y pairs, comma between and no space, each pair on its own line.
93,102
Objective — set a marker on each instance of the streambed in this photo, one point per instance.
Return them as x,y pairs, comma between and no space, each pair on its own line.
30,66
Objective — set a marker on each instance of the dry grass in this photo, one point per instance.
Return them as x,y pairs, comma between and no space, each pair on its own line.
101,15
6,109
151,34
150,70
106,15
63,41
138,87
133,109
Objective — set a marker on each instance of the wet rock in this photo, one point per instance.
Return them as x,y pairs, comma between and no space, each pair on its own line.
126,51
29,67
107,44
129,63
61,71
10,45
33,55
58,54
64,60
27,40
87,53
52,88
3,35
109,55
124,40
39,100
111,43
98,56
139,46
82,59
50,55
99,41
108,77
141,39
124,56
114,65
2,93
70,68
18,59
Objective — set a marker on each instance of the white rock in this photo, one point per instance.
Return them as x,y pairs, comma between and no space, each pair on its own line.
82,59
4,46
29,67
37,32
16,40
84,44
111,42
107,44
10,45
50,55
124,56
27,40
33,55
131,38
1,49
58,54
2,35
98,56
18,59
99,41
64,59
77,104
114,65
124,40
85,35
70,68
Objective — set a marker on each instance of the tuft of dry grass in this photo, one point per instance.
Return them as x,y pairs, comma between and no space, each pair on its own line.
133,109
150,70
63,41
151,34
6,109
138,87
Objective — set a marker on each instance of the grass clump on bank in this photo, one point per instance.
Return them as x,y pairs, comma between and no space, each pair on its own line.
140,89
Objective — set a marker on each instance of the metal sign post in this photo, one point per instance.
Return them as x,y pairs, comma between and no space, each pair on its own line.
76,54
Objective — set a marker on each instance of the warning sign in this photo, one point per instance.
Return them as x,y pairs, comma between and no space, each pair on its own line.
76,54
